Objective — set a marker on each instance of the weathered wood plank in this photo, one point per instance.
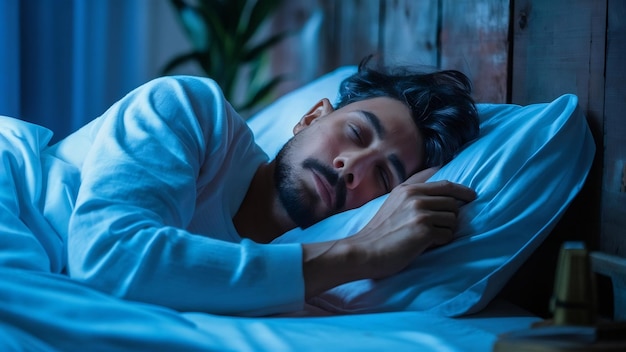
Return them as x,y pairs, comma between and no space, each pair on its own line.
297,58
356,30
409,32
613,235
474,40
328,34
558,48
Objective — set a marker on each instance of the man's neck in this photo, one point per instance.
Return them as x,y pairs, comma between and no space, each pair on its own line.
261,217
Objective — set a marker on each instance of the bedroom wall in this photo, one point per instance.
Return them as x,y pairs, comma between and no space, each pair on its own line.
613,235
580,47
467,35
560,47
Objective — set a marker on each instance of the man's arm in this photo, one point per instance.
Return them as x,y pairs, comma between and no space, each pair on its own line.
151,157
415,217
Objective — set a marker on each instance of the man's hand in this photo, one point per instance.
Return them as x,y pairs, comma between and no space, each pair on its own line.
415,217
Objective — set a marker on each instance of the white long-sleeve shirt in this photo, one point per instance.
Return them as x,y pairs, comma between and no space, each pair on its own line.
162,173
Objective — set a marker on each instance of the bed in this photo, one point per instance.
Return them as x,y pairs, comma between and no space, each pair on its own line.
527,166
99,322
52,313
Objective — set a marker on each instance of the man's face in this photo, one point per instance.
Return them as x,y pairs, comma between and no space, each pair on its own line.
341,159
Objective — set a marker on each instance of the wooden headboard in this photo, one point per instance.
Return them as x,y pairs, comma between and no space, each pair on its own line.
515,51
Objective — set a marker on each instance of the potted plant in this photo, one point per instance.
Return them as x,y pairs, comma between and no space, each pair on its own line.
225,45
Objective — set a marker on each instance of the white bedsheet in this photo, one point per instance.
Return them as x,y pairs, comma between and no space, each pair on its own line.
45,311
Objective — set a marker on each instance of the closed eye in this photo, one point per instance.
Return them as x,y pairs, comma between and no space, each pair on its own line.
384,179
355,134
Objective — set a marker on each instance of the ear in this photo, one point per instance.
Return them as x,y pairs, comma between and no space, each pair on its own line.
321,108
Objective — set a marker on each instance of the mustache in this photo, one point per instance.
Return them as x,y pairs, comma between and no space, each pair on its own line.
332,177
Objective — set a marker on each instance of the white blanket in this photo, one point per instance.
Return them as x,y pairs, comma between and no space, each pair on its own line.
27,239
43,311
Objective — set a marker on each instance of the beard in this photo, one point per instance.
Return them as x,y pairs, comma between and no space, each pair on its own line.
294,197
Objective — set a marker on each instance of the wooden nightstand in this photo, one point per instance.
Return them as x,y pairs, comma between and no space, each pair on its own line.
555,338
575,326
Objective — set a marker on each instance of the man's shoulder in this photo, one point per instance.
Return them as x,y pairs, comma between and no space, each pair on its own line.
189,84
199,99
195,96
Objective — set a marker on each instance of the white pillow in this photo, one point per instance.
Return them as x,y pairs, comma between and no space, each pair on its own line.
526,166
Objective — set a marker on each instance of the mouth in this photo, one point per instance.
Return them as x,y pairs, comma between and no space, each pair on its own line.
324,189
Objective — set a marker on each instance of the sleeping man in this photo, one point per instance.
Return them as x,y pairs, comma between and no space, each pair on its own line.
168,200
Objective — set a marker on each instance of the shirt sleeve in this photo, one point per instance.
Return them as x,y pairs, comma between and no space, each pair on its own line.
137,195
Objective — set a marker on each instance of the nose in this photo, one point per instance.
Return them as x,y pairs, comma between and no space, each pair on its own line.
354,166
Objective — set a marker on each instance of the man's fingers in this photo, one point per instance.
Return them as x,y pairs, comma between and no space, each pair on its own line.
437,203
442,188
442,236
448,189
444,219
423,176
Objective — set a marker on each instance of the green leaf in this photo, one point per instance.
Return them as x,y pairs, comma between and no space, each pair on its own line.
221,32
206,63
258,50
217,24
244,19
179,60
196,27
262,93
191,19
260,13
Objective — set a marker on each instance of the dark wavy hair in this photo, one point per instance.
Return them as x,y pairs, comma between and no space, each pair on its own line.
440,103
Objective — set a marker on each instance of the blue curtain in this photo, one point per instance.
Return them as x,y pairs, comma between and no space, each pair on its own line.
64,62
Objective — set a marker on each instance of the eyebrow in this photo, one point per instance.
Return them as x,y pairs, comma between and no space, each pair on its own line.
397,164
374,121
